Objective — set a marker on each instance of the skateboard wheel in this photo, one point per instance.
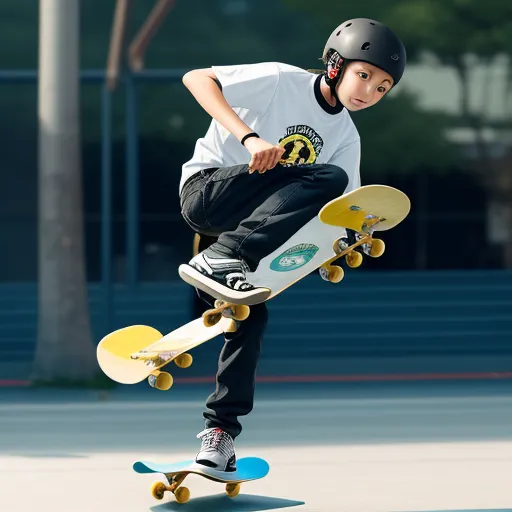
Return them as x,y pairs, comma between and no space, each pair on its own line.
160,380
232,490
354,259
241,312
340,246
377,248
183,361
335,274
182,494
324,273
231,327
158,490
218,303
210,319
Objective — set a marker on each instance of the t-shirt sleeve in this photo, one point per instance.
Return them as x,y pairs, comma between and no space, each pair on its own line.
348,157
250,86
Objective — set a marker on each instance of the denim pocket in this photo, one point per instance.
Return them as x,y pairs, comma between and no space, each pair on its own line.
193,211
226,173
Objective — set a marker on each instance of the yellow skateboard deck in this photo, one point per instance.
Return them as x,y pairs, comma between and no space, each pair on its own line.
134,353
369,208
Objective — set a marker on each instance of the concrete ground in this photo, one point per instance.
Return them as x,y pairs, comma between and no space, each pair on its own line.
331,447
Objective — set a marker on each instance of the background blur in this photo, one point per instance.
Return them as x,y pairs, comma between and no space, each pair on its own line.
440,298
397,381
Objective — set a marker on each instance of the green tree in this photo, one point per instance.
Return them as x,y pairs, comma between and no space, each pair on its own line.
397,138
462,34
465,34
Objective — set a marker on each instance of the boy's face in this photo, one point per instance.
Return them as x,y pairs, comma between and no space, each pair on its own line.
362,85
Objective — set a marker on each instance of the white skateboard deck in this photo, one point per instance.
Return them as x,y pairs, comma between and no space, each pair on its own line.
312,245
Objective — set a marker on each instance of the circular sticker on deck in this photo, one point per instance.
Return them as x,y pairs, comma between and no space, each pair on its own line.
294,257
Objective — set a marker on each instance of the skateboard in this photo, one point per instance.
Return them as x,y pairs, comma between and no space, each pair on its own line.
137,352
248,468
321,241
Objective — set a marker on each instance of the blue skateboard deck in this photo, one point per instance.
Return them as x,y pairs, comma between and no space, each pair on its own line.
247,468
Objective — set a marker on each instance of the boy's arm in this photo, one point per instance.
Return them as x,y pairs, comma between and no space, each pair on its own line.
204,86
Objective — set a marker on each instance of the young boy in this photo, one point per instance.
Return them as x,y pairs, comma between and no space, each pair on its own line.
303,150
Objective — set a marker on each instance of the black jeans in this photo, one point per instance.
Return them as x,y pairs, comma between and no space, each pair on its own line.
253,214
250,215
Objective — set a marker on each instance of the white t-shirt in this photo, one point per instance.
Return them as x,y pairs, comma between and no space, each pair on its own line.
284,105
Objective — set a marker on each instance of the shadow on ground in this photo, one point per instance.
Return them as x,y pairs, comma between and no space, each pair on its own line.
242,503
47,455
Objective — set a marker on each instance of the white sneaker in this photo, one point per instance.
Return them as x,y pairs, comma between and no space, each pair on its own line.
217,450
222,278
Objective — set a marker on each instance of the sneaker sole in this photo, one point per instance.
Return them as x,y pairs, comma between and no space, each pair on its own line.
193,277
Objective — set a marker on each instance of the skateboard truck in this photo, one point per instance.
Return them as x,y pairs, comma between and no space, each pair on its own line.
373,247
365,221
236,312
162,380
182,494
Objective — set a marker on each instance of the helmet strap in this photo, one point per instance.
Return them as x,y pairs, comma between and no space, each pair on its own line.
334,69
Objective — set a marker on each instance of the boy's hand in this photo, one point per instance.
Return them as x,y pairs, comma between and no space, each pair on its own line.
264,155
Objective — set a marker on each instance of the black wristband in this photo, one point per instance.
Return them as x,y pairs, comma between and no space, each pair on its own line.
249,135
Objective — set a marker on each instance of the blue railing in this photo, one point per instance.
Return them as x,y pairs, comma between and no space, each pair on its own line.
129,82
369,314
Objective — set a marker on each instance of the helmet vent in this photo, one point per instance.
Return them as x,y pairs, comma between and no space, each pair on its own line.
371,23
365,47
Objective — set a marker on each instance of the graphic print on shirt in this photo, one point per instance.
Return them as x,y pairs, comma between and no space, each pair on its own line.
302,146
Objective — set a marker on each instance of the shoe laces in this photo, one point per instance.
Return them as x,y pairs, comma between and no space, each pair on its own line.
238,281
216,439
234,271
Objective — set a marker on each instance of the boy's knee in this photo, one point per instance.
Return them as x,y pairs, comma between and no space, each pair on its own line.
334,180
336,175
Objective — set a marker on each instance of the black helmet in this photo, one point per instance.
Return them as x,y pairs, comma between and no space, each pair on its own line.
368,41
